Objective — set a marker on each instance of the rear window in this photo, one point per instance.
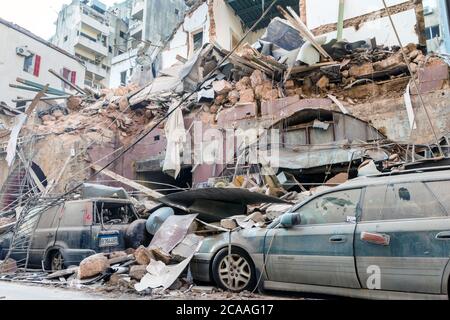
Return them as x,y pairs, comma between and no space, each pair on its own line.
441,190
400,201
114,213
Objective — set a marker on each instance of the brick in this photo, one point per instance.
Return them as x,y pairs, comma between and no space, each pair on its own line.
247,96
222,87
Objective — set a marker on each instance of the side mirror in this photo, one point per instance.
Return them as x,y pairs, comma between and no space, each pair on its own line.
290,220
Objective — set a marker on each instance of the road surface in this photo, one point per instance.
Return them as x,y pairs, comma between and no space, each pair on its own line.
16,291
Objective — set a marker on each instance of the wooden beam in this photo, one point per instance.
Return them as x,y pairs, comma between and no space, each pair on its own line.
139,187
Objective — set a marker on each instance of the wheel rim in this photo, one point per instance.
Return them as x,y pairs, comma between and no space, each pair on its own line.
57,262
235,272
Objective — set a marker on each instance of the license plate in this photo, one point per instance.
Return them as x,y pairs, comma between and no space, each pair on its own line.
111,241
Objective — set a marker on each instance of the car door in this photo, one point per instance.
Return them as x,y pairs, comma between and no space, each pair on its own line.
44,236
402,240
74,225
319,251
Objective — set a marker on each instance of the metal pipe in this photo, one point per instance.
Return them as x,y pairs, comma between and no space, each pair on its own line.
43,99
340,24
70,84
39,86
36,89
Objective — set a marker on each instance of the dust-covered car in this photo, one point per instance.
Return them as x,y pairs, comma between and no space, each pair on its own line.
68,232
385,236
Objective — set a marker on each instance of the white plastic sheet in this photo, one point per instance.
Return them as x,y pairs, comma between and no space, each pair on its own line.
176,137
19,121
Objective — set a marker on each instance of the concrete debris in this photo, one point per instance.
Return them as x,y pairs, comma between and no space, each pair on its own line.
327,100
143,256
138,272
93,266
8,266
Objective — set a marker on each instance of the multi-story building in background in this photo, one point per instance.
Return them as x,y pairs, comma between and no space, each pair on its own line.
83,29
108,39
151,23
437,28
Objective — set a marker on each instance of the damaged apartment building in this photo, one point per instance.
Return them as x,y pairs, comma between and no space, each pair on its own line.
108,39
332,80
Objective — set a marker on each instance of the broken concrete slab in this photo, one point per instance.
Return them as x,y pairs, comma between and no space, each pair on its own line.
143,256
93,266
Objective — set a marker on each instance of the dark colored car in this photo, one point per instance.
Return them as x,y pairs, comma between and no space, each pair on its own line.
66,234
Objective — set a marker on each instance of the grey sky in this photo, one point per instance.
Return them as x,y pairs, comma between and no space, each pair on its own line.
38,16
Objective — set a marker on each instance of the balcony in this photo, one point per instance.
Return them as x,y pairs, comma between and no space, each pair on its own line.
100,26
96,69
137,12
136,29
124,56
88,44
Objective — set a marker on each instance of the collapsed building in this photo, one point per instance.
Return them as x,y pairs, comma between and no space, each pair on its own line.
327,109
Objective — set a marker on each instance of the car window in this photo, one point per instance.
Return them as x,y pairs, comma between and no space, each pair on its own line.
336,207
115,213
441,191
47,217
400,201
73,214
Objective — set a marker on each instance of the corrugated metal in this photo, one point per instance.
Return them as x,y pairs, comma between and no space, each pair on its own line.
250,10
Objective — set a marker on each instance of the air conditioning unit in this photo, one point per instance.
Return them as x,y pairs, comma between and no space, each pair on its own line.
427,10
23,51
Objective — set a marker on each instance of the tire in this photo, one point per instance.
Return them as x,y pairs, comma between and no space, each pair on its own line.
55,261
243,274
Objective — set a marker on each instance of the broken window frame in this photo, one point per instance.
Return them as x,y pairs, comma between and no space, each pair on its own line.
192,40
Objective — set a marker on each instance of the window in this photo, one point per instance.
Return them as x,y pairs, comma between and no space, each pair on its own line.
440,190
47,217
66,38
32,64
336,207
110,49
114,213
197,40
69,76
400,201
73,215
123,78
122,35
432,32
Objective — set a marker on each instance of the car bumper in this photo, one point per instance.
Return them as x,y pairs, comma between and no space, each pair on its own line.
200,267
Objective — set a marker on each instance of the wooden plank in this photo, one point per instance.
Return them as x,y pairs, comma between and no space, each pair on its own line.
301,69
139,187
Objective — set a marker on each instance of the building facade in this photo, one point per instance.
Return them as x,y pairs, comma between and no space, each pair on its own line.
26,56
84,29
437,27
150,23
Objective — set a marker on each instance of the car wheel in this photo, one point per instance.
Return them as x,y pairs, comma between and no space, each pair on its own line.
235,273
56,261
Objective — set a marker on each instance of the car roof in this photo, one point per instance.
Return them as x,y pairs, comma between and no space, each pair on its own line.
424,174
